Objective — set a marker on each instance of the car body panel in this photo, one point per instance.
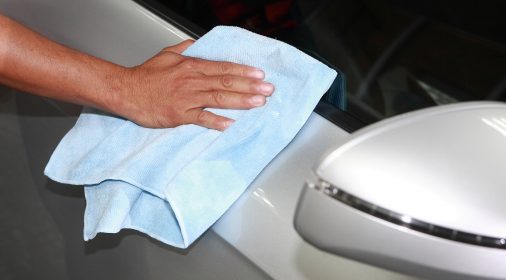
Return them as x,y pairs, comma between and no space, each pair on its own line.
259,225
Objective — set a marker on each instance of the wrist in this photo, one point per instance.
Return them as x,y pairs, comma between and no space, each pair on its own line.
115,87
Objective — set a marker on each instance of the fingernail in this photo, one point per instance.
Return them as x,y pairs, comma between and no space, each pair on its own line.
266,88
228,123
256,73
258,100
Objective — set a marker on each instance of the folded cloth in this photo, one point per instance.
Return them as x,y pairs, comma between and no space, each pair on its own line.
173,184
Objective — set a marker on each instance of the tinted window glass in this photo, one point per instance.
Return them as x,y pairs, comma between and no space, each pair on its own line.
397,55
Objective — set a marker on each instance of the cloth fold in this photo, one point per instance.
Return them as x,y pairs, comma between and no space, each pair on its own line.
173,184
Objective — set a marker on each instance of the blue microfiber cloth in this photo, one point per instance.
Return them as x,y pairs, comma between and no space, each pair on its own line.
173,184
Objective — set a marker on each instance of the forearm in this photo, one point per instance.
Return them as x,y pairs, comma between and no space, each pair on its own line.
167,90
30,62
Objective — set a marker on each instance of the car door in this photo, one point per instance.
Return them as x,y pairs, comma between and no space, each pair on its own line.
397,57
255,239
42,221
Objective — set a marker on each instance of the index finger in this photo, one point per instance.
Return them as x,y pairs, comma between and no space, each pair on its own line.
218,68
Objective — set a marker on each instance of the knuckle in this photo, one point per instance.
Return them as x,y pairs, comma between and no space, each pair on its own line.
226,81
219,98
247,101
244,71
202,117
167,49
255,86
189,63
167,57
186,79
225,67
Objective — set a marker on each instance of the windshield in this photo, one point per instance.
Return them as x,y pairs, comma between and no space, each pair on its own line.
397,56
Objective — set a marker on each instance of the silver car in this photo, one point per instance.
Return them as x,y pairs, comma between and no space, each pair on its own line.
397,56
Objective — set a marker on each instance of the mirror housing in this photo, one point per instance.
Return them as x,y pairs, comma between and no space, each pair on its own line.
422,193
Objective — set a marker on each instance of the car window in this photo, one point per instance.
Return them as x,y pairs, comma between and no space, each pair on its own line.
397,56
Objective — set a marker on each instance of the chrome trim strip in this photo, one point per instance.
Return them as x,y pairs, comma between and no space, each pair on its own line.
407,221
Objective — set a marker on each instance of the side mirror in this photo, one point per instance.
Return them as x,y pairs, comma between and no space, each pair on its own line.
422,193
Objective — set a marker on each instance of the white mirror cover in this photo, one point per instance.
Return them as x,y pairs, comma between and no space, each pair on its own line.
422,193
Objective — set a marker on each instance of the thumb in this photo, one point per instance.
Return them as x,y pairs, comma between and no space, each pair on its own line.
181,47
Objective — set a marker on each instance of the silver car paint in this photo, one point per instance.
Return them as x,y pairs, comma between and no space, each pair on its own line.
442,166
449,157
259,225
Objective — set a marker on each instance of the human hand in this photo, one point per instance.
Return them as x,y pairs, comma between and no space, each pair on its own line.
170,89
165,91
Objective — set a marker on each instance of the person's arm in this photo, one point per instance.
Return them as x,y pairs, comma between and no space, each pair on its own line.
166,91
